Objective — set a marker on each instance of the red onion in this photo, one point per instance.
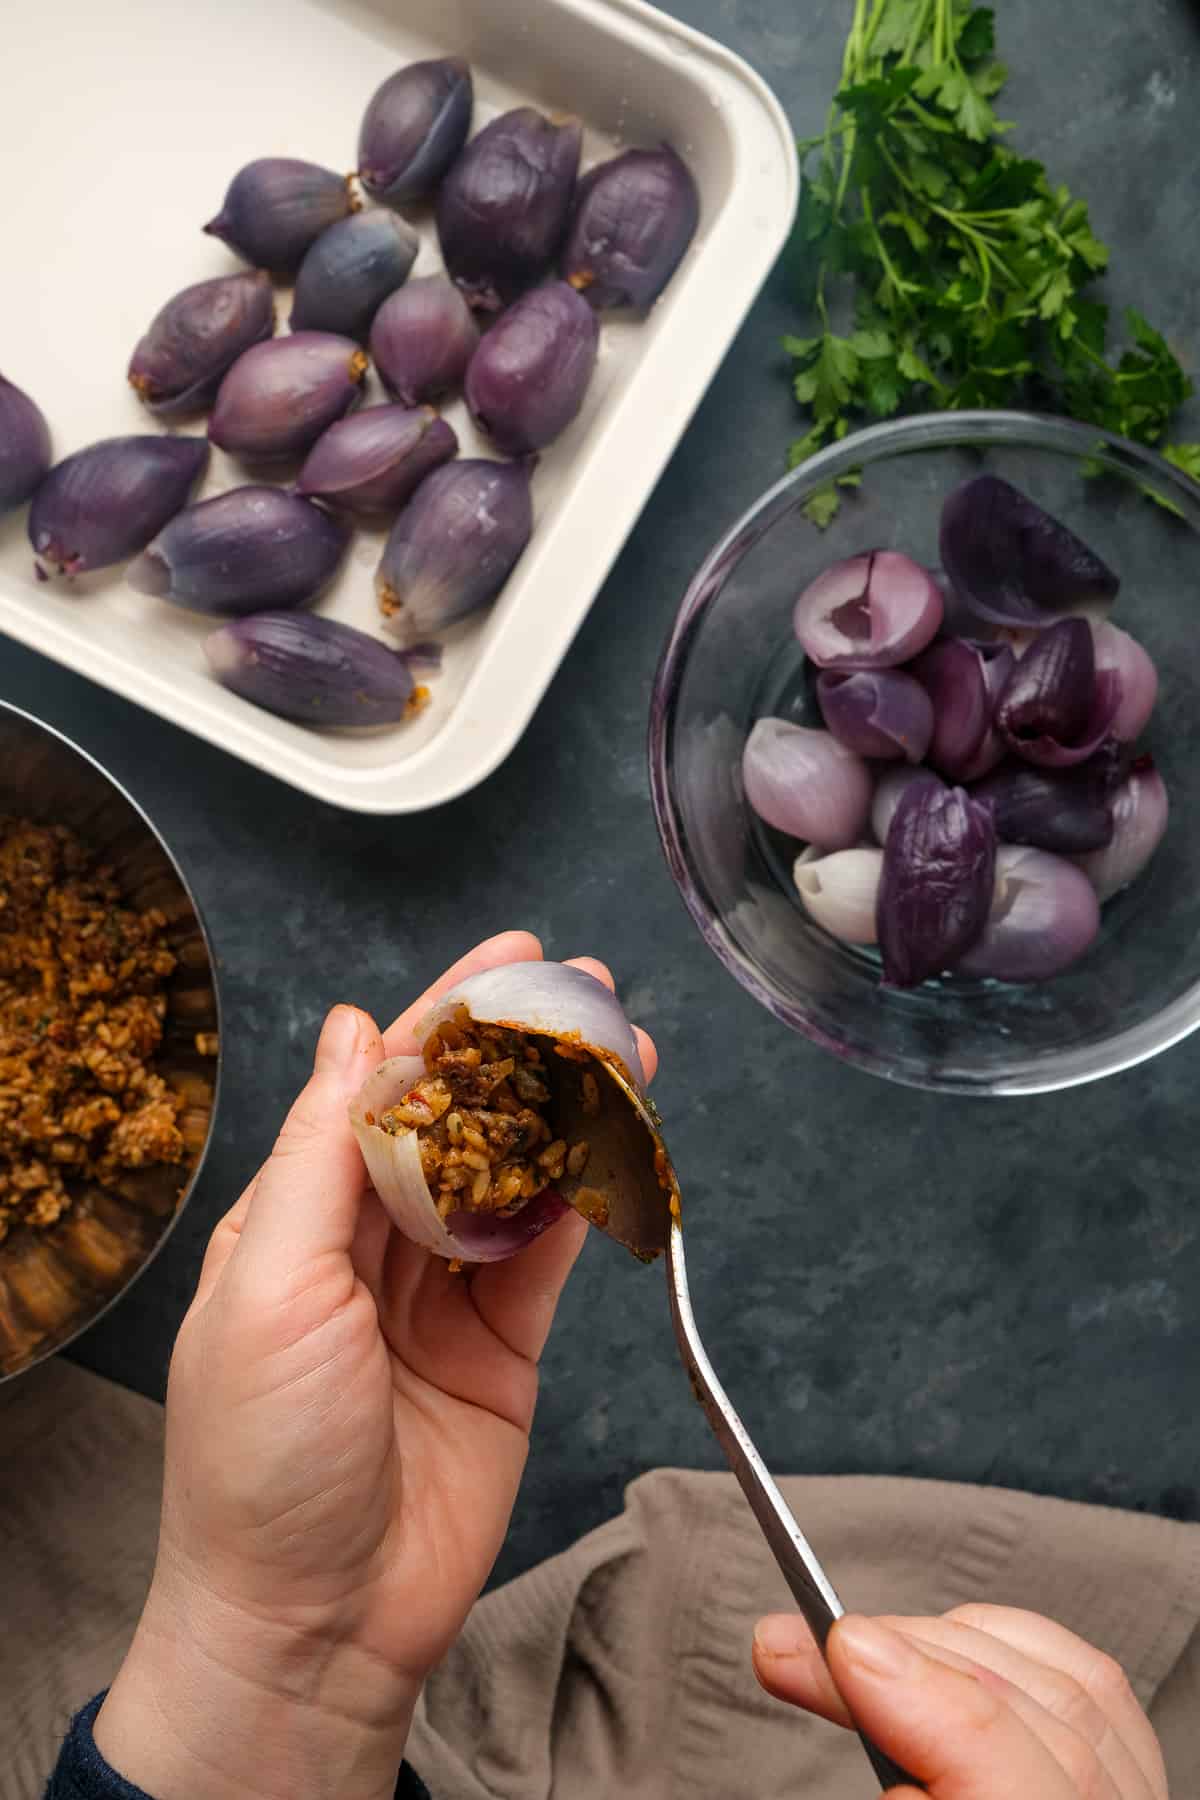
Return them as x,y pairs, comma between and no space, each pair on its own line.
1044,916
1013,563
547,1000
936,889
963,681
892,785
871,612
804,782
841,892
1063,810
1136,676
877,712
1140,810
1055,710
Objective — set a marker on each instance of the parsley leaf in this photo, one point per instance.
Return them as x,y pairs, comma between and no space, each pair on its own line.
943,267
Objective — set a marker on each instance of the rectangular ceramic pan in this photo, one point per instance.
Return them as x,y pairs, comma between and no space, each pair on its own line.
121,126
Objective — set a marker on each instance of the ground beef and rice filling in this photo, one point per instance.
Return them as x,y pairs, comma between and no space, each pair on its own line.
82,1005
486,1144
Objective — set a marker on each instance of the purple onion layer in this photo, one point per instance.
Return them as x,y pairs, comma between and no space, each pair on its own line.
870,612
1044,916
105,503
879,713
632,222
454,545
280,396
24,446
278,206
370,464
527,379
196,337
936,890
1013,563
241,552
310,669
422,340
503,207
1055,710
414,126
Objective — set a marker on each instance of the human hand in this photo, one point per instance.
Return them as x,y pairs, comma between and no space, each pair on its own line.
986,1703
347,1423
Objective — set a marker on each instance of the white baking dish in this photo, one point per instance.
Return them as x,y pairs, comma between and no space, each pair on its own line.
122,124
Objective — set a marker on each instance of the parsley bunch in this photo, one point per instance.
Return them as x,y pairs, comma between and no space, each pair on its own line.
968,270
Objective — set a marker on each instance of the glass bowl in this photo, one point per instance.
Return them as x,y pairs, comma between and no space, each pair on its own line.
54,1283
731,658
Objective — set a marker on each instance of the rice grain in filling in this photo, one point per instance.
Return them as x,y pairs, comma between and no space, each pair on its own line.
480,1113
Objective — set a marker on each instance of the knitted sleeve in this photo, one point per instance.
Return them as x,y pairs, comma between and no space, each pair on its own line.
82,1773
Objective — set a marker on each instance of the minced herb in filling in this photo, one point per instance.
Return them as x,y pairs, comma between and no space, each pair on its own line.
486,1144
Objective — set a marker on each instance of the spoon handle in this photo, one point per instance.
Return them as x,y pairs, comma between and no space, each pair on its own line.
809,1584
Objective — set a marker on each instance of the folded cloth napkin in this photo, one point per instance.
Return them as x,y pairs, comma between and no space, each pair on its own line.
621,1667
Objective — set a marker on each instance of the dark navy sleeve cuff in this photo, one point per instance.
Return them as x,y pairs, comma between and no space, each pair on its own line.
82,1773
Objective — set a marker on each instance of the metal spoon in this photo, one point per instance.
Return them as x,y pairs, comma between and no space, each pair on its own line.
649,1226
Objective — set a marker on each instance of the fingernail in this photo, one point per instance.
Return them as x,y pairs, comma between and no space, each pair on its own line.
878,1651
782,1634
338,1041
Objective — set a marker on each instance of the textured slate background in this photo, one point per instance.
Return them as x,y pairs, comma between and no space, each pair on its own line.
989,1292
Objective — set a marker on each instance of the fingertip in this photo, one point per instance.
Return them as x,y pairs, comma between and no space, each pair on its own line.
647,1051
789,1666
509,946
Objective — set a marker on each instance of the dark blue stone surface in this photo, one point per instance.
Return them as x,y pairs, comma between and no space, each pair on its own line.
990,1292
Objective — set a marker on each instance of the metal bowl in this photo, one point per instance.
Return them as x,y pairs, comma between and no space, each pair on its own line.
55,1283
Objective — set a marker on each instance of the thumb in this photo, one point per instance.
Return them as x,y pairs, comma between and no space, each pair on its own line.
948,1728
307,1198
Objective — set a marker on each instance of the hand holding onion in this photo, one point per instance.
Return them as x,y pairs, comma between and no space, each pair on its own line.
347,1422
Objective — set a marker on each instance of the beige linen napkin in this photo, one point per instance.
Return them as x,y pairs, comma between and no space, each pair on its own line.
620,1668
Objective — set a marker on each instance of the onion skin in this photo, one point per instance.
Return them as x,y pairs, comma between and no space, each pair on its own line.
1015,564
1136,676
553,999
454,545
938,878
963,681
877,712
527,379
502,210
422,340
249,549
805,783
277,207
1044,916
1140,812
1065,811
1054,709
350,271
891,785
314,670
633,220
841,892
24,447
870,612
105,503
370,464
195,339
415,124
280,396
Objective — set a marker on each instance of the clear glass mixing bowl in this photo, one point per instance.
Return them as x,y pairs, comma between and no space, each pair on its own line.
731,658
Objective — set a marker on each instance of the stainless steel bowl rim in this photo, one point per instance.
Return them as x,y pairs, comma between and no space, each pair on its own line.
125,1287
